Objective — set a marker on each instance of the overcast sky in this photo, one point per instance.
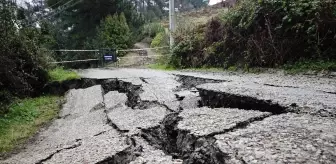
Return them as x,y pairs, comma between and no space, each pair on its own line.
212,2
20,2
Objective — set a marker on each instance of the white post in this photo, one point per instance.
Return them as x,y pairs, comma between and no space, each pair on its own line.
171,21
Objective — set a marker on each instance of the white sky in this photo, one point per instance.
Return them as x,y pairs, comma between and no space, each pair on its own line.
212,2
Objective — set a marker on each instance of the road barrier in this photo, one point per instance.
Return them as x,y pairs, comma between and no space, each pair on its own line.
101,52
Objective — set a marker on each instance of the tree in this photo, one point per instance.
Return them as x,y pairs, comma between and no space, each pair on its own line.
80,20
113,32
22,67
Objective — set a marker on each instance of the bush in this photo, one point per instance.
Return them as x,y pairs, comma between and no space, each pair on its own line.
160,40
152,29
265,33
22,69
188,51
272,33
6,98
22,63
113,32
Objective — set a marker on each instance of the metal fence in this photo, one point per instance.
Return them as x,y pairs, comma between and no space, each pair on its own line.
110,57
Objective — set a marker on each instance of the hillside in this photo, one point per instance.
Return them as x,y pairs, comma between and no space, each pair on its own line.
197,16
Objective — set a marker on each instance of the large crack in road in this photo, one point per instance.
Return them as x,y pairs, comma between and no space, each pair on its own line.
155,117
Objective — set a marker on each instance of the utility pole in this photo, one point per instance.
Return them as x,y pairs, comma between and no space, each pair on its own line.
171,21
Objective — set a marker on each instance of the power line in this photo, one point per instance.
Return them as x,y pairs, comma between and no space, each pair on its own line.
51,15
57,3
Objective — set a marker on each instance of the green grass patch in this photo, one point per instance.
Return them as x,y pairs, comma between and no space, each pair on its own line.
171,68
161,67
24,119
304,66
206,69
60,74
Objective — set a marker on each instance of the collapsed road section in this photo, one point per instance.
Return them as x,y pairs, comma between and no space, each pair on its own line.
168,119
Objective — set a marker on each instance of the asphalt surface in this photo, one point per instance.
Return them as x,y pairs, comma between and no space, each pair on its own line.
143,116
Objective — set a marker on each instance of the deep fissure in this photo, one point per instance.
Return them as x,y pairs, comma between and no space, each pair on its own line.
180,144
214,99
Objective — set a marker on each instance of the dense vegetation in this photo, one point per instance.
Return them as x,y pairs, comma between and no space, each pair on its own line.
23,65
261,33
87,24
28,31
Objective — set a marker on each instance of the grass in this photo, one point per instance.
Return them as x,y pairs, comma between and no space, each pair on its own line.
60,74
304,66
24,119
206,69
170,68
161,67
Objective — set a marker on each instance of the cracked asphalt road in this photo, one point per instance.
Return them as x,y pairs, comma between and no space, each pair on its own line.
143,116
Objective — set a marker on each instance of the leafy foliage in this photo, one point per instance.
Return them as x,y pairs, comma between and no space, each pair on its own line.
152,29
266,33
23,65
160,40
188,41
79,24
113,32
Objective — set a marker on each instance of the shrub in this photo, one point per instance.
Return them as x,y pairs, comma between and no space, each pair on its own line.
263,33
6,98
22,63
160,40
188,51
22,70
113,32
271,33
152,29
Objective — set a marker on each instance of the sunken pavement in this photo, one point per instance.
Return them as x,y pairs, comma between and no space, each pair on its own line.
143,116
